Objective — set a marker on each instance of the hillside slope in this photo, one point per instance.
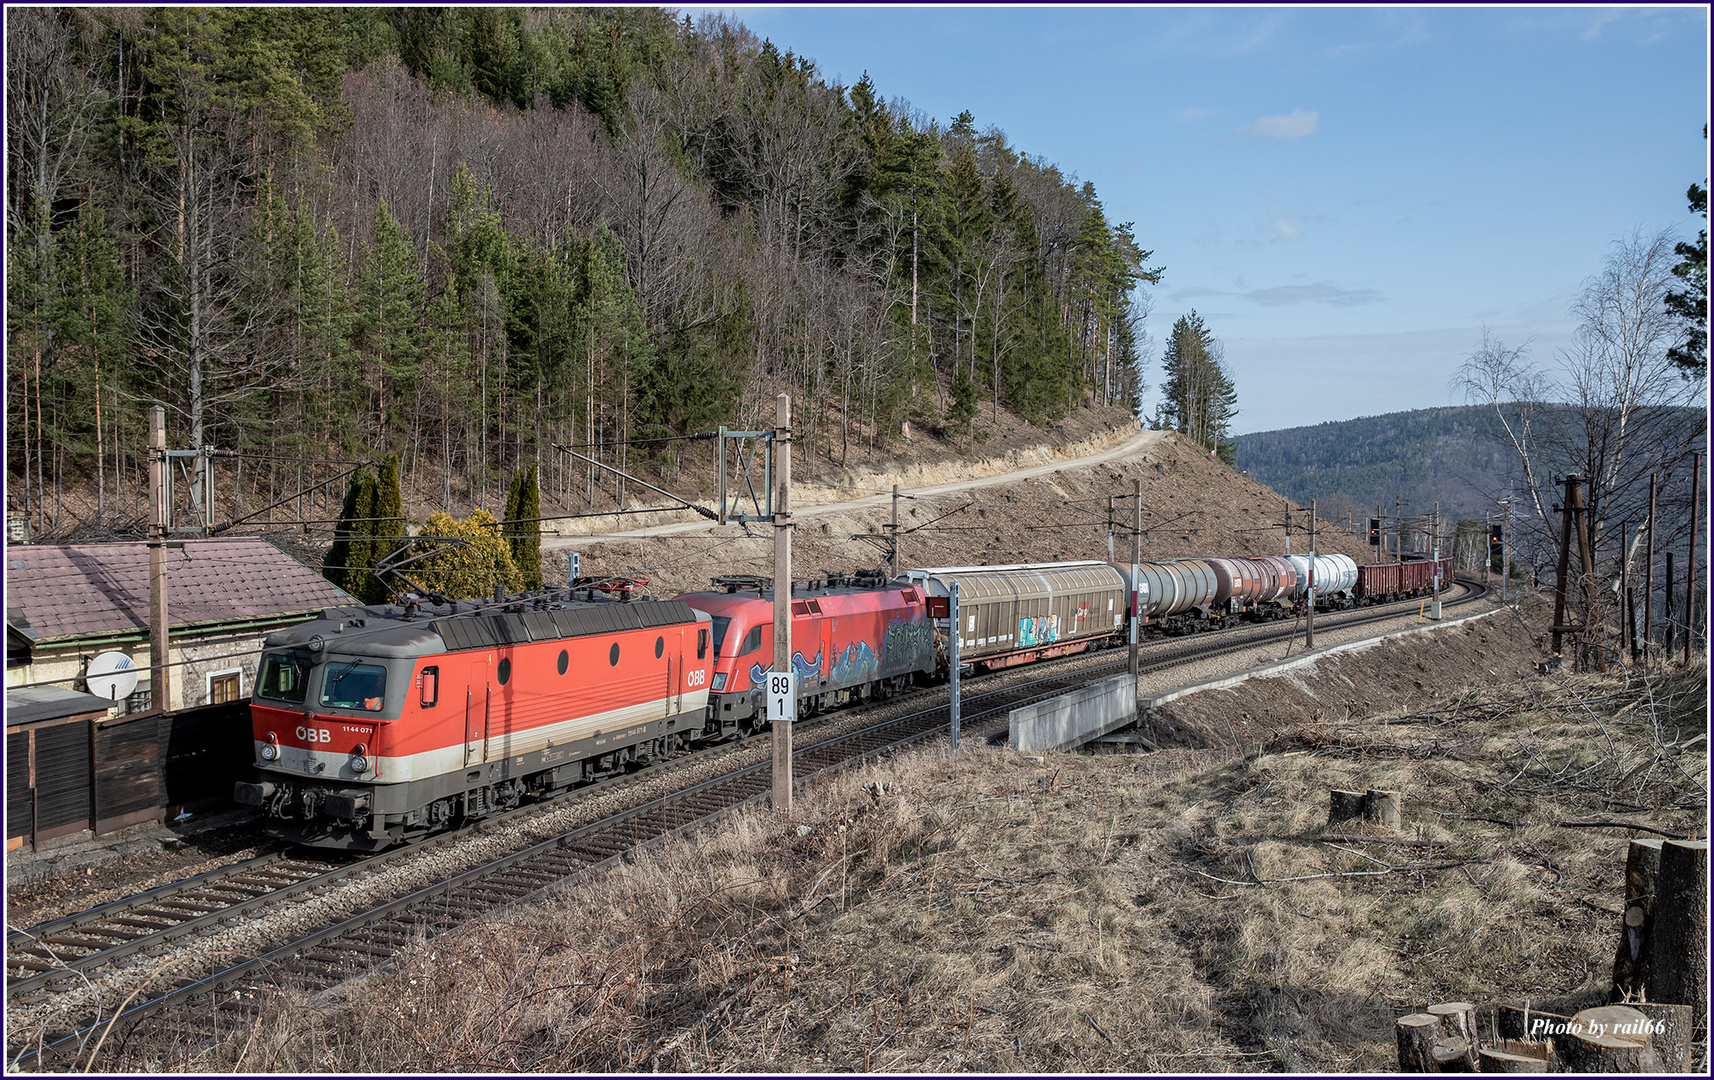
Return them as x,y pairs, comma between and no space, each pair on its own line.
1192,505
1351,466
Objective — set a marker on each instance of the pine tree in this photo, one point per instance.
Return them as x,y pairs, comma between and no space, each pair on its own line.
1198,397
390,298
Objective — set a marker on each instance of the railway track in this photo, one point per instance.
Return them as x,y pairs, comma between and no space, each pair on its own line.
333,953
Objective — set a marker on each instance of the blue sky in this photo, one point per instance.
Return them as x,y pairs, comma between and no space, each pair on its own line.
1346,195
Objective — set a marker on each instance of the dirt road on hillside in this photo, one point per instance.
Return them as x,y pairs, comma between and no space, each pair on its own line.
1135,445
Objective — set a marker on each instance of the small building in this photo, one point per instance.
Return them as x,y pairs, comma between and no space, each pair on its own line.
78,762
68,603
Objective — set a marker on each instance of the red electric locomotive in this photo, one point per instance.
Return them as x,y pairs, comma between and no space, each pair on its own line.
854,637
375,725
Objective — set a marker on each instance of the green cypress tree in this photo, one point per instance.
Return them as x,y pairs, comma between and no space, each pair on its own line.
387,531
526,541
337,566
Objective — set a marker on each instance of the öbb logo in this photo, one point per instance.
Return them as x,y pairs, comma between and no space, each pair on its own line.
315,734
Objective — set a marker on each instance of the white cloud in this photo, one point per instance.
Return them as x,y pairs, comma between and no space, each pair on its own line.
1322,292
1610,15
1294,126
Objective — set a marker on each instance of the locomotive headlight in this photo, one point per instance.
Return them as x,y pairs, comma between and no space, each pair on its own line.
359,762
269,750
719,680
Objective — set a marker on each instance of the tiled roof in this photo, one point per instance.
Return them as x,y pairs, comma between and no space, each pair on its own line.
80,590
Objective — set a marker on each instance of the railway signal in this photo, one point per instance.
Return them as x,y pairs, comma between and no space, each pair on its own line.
1496,545
1374,532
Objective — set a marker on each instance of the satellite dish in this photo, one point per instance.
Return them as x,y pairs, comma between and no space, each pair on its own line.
111,675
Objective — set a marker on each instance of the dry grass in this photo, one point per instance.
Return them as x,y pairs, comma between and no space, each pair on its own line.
1003,913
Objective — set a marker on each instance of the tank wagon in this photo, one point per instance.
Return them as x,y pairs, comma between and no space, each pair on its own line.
854,637
379,724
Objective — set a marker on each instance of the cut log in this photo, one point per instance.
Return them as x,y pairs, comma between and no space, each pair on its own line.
1631,960
1457,1056
1678,940
1458,1027
1382,808
1517,1022
1417,1034
1502,1061
1671,1034
1610,1039
1343,806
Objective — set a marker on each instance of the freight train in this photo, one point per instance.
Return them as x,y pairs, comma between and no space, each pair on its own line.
379,725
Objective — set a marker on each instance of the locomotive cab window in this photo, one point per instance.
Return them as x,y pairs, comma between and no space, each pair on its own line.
753,640
430,686
355,686
702,643
284,678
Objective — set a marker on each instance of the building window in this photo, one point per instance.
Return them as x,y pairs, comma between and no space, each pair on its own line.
139,700
224,686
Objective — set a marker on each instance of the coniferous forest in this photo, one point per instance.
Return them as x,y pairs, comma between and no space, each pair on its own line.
460,235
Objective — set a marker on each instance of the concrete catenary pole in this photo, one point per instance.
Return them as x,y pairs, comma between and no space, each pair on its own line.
1136,560
952,650
160,678
783,593
1506,551
1309,615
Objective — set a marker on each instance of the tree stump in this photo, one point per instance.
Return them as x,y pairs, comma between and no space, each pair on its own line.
1610,1039
1506,1061
1631,961
1458,1028
1672,1034
1382,808
1417,1034
1513,1022
1343,806
1678,940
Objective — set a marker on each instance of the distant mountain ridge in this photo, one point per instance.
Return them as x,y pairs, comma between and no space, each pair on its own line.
1351,466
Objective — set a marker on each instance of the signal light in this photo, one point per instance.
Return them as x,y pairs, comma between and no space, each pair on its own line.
1374,532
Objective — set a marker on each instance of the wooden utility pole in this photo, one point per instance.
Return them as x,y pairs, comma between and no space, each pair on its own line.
160,679
1648,574
1590,626
1624,586
1690,575
1309,616
783,594
1136,560
1571,483
1666,645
